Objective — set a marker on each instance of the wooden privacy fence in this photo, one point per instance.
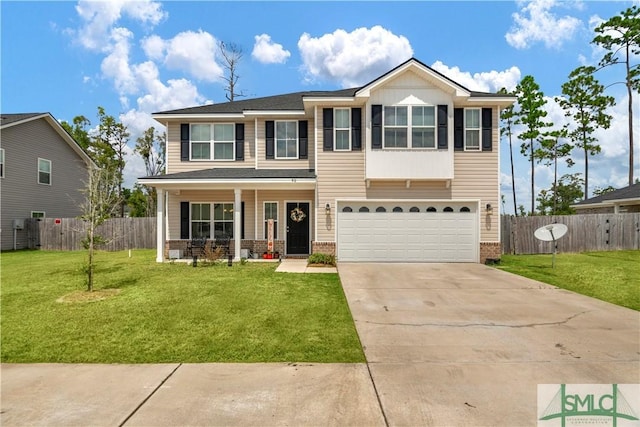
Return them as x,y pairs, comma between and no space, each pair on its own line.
591,232
66,234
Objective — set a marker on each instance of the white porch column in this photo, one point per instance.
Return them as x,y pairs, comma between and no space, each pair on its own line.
160,225
237,222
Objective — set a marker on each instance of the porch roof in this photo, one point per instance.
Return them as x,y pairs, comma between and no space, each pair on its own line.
246,178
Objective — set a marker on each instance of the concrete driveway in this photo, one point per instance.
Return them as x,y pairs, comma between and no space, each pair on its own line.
466,344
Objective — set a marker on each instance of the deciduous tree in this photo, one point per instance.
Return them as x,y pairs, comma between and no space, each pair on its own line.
567,192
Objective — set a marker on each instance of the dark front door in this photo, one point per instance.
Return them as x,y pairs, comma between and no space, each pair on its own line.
297,228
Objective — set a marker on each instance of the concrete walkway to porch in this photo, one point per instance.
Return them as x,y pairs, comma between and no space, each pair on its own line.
296,265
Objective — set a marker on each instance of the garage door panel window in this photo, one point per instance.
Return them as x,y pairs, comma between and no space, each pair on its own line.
363,209
347,209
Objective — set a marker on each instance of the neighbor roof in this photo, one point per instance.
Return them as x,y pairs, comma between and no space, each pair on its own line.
625,193
7,119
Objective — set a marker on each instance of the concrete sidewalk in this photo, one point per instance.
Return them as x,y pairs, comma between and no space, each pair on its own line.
209,394
294,265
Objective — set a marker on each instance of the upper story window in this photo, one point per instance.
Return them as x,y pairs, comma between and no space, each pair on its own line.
472,129
342,129
1,162
410,126
286,140
423,127
395,127
37,214
212,141
44,171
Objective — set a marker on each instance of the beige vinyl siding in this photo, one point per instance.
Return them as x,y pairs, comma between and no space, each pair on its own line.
263,163
341,176
19,189
248,197
174,164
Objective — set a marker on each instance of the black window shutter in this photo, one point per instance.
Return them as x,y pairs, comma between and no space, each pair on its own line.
327,129
269,134
242,220
184,220
376,127
303,139
356,129
487,144
443,141
458,129
184,142
239,141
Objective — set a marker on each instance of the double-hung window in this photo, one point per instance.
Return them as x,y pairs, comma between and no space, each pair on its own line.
423,127
44,171
37,214
200,220
472,129
1,162
342,128
271,212
212,141
395,127
223,220
286,140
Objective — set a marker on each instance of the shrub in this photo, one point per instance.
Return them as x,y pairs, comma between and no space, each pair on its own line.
320,258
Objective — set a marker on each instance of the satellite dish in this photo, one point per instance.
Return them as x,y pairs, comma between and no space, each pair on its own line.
551,233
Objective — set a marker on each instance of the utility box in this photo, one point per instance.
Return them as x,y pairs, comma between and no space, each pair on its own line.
174,253
18,224
244,253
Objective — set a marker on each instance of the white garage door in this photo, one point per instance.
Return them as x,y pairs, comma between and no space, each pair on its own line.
408,232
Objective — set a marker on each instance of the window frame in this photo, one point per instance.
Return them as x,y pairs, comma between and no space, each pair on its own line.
341,129
1,162
50,171
433,127
191,220
265,219
410,127
474,129
214,221
212,142
44,214
276,140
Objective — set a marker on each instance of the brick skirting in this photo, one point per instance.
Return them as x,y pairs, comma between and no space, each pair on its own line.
256,246
490,251
328,248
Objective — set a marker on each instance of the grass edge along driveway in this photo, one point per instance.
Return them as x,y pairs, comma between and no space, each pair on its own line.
612,276
168,312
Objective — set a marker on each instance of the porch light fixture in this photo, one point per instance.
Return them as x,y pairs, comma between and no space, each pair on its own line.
327,208
489,209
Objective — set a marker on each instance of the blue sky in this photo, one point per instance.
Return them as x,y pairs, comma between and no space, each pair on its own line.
135,58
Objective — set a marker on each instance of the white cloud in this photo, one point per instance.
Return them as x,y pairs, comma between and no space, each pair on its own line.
268,52
355,58
489,81
194,53
536,23
100,16
154,47
116,64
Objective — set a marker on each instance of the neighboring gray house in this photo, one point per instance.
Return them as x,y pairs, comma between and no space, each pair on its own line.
42,169
625,199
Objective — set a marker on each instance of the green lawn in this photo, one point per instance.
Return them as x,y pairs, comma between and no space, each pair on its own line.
170,312
609,276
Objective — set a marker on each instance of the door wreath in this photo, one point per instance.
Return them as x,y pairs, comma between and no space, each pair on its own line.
297,215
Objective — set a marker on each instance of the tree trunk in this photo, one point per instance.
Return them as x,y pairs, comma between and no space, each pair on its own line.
513,177
533,197
630,115
90,267
586,169
555,177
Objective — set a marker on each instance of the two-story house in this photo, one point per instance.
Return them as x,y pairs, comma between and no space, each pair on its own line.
42,172
404,168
